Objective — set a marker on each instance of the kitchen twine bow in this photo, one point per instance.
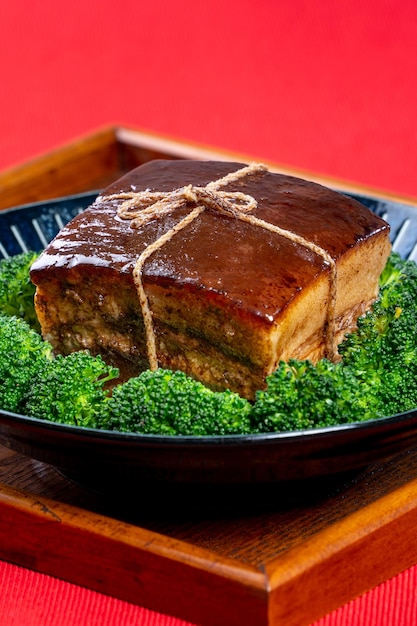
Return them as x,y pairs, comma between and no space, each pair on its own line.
143,206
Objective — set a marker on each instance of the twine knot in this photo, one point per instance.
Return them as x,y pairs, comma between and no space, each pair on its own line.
141,207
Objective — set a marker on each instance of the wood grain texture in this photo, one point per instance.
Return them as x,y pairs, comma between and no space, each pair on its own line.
126,561
283,565
81,166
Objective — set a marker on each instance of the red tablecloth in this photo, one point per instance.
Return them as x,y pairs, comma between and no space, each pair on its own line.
327,87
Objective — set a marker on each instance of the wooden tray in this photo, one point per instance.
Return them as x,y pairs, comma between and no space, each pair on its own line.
94,161
285,564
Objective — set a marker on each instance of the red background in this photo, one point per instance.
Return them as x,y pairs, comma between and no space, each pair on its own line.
323,86
327,87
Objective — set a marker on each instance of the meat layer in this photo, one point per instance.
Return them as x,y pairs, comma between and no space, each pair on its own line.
229,299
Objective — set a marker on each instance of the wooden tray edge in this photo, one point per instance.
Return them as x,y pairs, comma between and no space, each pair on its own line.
357,546
94,155
131,563
152,570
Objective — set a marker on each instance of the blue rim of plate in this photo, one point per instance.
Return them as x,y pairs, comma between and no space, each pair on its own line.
48,217
35,224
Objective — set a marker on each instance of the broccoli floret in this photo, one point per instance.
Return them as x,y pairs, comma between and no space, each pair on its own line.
300,395
70,390
376,377
167,402
16,289
378,373
383,350
23,354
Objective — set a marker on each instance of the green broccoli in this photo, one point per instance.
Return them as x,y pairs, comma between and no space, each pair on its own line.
70,390
23,354
377,376
167,402
16,289
383,350
300,395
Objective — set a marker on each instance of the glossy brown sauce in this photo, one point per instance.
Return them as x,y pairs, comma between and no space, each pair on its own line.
257,270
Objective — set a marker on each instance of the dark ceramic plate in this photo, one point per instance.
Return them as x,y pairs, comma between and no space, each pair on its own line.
108,461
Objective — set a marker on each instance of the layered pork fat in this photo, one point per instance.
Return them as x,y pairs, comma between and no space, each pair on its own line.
229,299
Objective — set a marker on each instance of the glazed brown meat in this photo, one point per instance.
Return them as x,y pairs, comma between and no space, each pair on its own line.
229,298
